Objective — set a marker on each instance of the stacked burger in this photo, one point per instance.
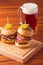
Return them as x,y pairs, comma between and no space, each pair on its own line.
24,34
8,34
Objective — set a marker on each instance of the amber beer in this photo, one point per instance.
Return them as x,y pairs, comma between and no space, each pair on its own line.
31,20
30,11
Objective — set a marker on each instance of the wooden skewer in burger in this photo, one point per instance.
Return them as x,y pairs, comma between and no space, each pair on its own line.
24,34
8,34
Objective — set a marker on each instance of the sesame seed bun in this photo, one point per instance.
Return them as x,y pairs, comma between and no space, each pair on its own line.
25,32
7,31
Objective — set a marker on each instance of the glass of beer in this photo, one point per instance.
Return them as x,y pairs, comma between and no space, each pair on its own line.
28,14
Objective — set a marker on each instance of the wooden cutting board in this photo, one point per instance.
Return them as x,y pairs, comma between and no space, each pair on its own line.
21,55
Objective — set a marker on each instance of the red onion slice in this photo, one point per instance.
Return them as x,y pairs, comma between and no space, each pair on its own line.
20,39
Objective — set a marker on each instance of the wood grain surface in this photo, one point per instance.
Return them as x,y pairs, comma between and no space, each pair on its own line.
9,8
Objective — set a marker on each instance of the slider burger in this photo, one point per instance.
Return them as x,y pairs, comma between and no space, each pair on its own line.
8,34
24,34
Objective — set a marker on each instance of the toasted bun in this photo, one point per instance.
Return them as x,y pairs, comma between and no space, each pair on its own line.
25,32
6,41
22,46
7,31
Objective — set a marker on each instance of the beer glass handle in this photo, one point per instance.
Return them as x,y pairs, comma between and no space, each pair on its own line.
21,21
0,32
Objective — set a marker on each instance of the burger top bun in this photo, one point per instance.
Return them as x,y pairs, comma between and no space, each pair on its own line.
25,30
8,29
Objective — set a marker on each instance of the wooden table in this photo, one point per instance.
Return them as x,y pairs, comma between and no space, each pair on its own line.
9,8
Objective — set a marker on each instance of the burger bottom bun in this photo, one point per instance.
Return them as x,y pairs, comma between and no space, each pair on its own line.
22,46
25,32
7,41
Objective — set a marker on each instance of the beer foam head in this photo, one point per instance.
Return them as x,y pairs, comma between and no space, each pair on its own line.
30,8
